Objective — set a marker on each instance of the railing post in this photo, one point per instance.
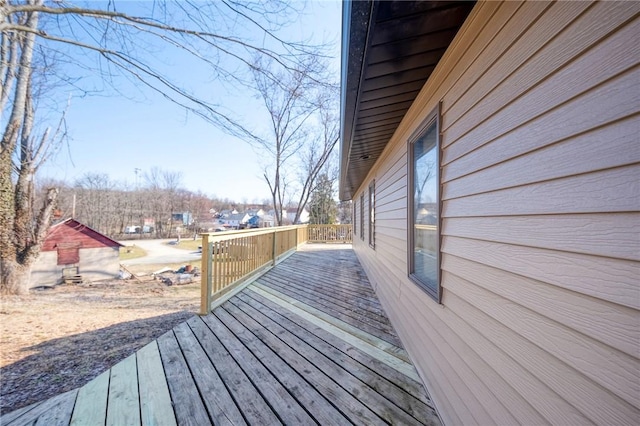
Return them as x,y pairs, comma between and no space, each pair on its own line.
273,251
205,276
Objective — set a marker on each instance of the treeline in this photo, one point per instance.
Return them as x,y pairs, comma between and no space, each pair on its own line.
110,206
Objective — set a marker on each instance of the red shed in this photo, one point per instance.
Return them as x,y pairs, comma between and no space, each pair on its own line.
71,245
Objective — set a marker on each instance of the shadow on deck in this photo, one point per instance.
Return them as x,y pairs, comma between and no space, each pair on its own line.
306,343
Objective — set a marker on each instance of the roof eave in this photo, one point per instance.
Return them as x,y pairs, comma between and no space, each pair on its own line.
356,18
389,50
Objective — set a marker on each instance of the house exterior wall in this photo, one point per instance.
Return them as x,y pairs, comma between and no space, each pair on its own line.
539,319
95,264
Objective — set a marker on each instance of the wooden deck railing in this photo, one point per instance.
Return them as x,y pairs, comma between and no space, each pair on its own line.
234,257
330,234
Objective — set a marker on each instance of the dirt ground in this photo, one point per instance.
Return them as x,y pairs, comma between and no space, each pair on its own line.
55,340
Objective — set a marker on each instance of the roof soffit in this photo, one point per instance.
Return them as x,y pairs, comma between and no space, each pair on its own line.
390,49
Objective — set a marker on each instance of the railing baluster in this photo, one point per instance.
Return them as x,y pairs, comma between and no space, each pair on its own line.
231,257
329,233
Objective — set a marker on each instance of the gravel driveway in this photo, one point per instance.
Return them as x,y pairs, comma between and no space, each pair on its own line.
159,251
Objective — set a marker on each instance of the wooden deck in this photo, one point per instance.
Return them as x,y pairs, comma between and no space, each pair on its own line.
307,343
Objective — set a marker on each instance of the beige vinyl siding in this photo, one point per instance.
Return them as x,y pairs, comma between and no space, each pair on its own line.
540,320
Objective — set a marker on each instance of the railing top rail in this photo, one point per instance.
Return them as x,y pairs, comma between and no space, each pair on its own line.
230,235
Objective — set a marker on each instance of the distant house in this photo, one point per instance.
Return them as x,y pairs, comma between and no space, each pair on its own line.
304,216
73,245
186,218
253,222
288,217
266,221
271,212
255,212
226,213
237,220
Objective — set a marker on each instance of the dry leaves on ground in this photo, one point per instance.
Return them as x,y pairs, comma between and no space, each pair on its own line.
55,340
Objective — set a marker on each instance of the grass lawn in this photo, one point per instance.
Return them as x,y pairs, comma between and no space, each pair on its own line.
189,244
131,252
146,269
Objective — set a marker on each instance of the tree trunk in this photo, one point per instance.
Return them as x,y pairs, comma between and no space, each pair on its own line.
14,270
14,277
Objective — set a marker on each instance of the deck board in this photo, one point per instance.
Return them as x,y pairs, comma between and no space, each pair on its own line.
416,405
355,288
361,322
221,407
318,407
334,371
62,403
253,406
155,401
359,293
306,343
15,414
334,325
188,406
275,394
317,334
58,414
356,307
124,402
91,404
354,409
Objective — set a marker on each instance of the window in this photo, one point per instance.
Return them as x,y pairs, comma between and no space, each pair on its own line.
372,214
362,216
355,214
68,254
424,206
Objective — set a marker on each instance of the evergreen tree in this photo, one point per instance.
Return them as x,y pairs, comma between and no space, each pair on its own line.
322,206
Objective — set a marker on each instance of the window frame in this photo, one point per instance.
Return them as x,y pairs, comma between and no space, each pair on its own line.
353,220
372,214
434,118
362,216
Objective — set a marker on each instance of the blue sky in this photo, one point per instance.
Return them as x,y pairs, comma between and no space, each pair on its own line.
116,135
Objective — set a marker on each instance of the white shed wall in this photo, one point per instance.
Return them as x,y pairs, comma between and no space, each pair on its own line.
95,264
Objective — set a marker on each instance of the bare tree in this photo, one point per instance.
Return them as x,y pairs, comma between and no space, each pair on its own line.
315,157
114,43
164,188
111,44
95,201
296,104
22,229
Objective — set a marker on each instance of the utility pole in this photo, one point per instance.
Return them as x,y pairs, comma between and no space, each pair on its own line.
137,171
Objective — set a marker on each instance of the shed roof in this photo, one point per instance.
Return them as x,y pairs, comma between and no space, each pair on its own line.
70,230
389,49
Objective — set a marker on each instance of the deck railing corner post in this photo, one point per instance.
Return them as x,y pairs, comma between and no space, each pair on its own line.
205,276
